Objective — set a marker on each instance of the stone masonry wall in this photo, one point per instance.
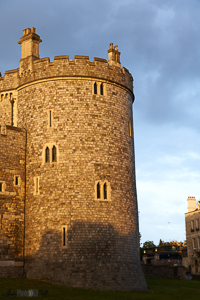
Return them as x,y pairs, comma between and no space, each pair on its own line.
12,164
151,271
93,137
93,143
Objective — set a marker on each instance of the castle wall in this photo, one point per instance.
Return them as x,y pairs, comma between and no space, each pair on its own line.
5,109
12,194
81,216
10,81
93,144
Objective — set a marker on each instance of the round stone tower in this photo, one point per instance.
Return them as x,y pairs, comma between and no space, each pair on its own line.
81,215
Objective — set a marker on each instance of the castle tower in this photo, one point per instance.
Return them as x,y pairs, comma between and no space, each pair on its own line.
81,215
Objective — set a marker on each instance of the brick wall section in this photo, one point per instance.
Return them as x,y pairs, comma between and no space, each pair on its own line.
193,254
12,162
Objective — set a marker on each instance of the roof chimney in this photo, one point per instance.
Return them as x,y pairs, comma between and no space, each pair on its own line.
191,203
113,56
29,49
29,43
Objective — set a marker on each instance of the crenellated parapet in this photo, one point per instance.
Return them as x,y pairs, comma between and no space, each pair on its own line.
10,81
79,67
63,67
32,68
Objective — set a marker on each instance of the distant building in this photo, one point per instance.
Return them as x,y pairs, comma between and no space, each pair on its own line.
193,235
173,254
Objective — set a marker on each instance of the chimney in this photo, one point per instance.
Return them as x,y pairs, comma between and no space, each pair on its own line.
114,56
29,49
191,203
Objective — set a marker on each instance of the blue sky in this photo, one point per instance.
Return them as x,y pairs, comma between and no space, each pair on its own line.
160,45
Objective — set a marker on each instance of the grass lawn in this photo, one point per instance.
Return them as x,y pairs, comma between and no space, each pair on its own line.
162,289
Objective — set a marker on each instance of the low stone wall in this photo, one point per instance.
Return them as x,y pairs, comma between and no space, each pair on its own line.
11,268
12,271
151,271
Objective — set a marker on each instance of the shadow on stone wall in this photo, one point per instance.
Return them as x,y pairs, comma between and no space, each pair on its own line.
96,256
175,272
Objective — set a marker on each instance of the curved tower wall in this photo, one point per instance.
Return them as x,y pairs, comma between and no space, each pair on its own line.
74,235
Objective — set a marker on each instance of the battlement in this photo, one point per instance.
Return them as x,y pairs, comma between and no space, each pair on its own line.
32,68
63,67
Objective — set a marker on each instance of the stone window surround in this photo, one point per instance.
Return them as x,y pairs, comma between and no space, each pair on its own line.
101,182
50,146
36,185
98,83
6,96
3,184
64,236
19,181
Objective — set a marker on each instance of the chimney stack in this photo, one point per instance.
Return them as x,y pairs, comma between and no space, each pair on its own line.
191,203
29,49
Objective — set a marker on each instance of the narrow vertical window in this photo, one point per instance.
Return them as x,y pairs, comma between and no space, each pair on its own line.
16,180
192,225
63,236
95,88
129,128
12,109
37,185
101,89
105,190
54,154
2,187
98,191
197,224
50,119
47,154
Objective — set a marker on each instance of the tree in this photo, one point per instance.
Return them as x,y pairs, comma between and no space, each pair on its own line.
162,243
140,238
149,244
